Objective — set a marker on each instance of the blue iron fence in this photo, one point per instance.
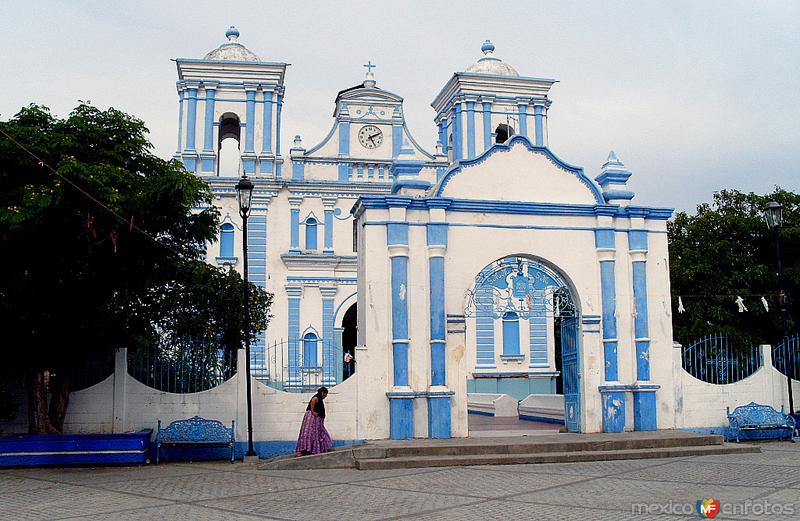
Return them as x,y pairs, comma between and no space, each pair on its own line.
183,365
291,366
715,360
786,356
94,369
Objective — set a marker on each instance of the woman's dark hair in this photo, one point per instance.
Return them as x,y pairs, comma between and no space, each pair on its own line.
321,391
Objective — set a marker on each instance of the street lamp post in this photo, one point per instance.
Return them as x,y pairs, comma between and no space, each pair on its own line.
244,190
774,216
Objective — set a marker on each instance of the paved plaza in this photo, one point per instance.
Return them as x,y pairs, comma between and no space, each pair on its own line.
660,489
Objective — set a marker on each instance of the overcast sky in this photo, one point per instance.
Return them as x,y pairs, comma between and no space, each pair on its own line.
693,96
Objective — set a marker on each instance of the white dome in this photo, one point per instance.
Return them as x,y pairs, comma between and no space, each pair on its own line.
233,50
490,64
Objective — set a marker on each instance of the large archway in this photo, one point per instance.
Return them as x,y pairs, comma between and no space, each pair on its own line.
524,336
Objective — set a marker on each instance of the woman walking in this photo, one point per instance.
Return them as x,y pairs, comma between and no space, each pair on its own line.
313,437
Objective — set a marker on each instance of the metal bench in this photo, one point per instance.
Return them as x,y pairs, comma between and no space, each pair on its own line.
760,422
195,431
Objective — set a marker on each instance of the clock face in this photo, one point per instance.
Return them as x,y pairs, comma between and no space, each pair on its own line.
370,136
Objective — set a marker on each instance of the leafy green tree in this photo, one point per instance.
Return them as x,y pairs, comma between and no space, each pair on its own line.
726,250
102,245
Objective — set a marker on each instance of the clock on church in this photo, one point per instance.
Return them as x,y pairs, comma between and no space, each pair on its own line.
370,136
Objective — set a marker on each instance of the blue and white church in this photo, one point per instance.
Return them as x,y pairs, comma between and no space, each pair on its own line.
406,278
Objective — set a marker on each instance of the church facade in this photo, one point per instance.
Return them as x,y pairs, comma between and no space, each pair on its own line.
483,264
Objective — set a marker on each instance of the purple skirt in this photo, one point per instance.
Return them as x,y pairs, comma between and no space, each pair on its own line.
313,438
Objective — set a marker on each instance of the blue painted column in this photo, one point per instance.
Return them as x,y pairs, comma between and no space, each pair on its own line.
443,135
470,129
644,396
397,138
293,294
523,118
278,109
330,358
329,205
180,119
294,224
207,157
249,155
439,417
266,160
538,126
487,125
191,117
457,139
401,397
613,399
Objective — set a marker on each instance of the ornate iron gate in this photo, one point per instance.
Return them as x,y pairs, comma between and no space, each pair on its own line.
571,372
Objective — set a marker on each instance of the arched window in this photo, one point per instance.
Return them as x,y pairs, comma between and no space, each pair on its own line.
311,233
226,241
310,350
230,157
510,333
502,133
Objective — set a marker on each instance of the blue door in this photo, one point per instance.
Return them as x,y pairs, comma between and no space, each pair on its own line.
571,372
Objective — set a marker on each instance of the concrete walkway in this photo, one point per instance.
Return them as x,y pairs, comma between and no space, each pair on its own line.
615,490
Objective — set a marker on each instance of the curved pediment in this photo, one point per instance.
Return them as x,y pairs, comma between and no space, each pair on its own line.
519,171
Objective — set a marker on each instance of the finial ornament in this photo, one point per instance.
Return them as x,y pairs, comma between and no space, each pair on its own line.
232,34
487,48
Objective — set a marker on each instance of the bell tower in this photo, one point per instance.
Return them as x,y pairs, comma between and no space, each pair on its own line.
230,112
487,104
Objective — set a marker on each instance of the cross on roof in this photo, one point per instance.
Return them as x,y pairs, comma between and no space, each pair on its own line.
369,66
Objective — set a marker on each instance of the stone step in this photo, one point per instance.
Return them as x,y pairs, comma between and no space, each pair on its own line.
550,457
536,445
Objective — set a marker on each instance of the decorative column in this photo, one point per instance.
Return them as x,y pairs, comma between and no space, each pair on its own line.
249,154
330,205
208,135
278,109
487,123
538,127
294,223
522,106
293,294
442,135
266,160
457,139
181,92
189,153
330,358
401,397
644,393
613,396
470,128
438,393
397,132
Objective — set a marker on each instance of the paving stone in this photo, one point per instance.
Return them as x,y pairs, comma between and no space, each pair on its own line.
60,501
611,493
501,510
590,468
171,513
346,501
207,486
342,475
474,482
80,475
10,484
769,457
691,471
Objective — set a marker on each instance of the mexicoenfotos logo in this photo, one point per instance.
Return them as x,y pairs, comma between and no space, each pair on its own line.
708,507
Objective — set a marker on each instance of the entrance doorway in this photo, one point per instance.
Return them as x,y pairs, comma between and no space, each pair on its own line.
526,343
349,340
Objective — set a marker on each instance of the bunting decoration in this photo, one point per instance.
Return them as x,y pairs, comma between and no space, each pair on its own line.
740,303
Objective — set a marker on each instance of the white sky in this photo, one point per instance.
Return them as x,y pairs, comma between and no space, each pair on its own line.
694,96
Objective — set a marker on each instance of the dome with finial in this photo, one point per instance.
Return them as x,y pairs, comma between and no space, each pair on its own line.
233,50
490,64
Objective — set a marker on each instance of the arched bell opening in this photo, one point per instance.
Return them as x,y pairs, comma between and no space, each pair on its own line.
229,145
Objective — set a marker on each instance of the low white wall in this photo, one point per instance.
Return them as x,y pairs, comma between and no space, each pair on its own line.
125,404
701,404
549,406
501,405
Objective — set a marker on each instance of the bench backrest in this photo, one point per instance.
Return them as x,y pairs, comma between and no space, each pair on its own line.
195,429
757,414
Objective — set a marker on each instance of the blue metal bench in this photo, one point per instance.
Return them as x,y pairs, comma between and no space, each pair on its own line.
760,422
195,431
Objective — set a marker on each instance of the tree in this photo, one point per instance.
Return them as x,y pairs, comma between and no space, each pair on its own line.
726,250
102,246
